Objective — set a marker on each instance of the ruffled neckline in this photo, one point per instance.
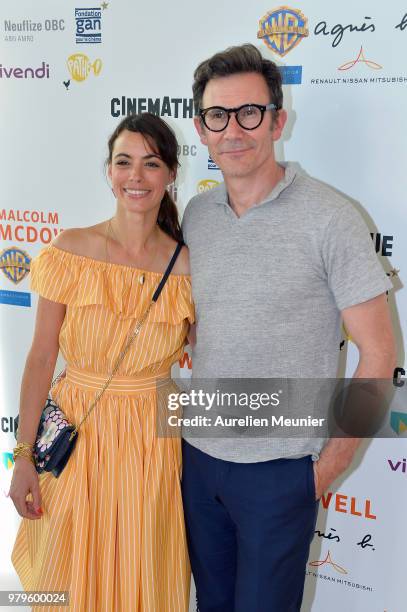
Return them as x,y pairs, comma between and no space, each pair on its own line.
80,281
108,264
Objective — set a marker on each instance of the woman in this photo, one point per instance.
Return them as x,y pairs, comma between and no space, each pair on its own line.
110,528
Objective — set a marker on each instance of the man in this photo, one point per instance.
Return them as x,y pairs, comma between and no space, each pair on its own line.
277,260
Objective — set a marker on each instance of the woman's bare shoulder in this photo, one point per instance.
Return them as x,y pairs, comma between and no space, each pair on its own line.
167,248
182,264
81,240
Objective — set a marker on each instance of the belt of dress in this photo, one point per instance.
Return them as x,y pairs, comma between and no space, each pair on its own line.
119,384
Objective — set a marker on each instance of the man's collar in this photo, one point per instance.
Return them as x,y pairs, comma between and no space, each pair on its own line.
289,176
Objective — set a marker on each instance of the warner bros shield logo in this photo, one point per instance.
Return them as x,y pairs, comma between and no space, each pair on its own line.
15,264
282,29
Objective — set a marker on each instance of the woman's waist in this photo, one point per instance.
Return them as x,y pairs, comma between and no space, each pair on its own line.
119,384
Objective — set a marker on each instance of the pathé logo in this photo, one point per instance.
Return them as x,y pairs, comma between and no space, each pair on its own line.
79,66
207,185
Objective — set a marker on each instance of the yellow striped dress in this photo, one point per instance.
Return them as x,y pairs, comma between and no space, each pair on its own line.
112,532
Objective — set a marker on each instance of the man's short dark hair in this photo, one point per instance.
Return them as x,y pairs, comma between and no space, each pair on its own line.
235,60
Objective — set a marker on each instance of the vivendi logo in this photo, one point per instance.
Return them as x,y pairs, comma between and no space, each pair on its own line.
399,465
16,72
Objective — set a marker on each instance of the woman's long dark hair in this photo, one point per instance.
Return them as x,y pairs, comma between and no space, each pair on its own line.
162,139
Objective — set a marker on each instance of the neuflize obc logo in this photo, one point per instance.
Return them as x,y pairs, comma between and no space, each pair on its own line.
88,25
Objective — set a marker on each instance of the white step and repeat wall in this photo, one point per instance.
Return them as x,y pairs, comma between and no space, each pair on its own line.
69,71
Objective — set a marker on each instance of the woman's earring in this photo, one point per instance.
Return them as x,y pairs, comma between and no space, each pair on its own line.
173,191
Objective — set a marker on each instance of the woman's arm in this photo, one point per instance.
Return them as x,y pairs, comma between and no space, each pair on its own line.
35,385
39,367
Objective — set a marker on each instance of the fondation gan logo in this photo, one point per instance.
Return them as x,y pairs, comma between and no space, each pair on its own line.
283,29
88,25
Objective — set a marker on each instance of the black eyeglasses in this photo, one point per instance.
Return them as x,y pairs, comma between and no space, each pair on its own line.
248,116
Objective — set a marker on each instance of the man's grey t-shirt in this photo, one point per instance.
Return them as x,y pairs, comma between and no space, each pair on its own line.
268,289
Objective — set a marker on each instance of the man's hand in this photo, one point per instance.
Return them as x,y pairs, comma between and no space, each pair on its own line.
325,472
319,487
335,458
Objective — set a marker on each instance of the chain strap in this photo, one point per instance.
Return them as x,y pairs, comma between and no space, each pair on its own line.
57,378
117,365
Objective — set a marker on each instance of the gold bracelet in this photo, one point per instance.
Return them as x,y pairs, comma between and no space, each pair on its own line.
23,449
23,453
24,445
